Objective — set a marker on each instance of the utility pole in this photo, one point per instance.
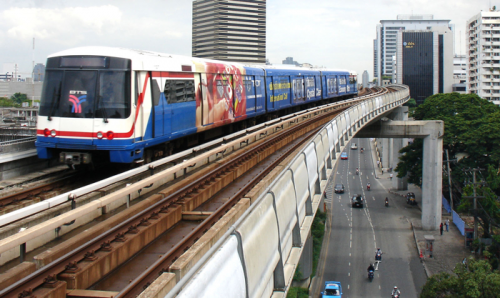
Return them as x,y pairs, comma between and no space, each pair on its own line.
474,197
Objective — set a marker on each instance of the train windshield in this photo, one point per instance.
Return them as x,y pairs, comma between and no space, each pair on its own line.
86,94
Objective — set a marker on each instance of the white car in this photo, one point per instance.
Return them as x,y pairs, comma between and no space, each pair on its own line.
354,146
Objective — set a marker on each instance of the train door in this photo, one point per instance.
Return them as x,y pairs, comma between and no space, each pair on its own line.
260,94
143,105
158,105
249,85
204,113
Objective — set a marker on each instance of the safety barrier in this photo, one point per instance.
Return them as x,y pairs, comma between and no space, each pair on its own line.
459,223
258,256
446,205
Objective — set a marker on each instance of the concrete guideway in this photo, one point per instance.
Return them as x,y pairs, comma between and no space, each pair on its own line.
303,181
316,111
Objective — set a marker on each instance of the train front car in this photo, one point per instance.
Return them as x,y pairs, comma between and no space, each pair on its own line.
85,106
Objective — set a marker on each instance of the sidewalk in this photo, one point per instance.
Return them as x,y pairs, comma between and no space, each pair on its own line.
449,249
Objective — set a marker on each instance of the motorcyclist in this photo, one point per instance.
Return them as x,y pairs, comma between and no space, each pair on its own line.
386,200
371,268
357,171
368,185
395,291
379,251
362,149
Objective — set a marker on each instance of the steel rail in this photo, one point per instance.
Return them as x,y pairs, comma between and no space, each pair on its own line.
162,265
48,273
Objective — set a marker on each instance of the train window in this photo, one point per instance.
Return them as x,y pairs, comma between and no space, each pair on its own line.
156,92
179,91
114,99
73,99
51,92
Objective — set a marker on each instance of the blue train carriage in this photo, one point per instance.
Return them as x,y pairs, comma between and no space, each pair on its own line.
112,104
289,86
353,83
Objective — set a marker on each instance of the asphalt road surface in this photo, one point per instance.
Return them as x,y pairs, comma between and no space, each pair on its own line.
355,233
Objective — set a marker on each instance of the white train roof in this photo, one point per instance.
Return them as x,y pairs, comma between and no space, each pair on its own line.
150,60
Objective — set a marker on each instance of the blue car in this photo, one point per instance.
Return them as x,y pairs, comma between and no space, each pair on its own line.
343,155
332,289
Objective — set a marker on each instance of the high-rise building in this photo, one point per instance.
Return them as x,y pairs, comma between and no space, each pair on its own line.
230,30
424,60
385,43
460,74
39,72
483,55
289,60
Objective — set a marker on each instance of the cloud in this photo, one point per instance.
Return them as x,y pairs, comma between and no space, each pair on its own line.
67,25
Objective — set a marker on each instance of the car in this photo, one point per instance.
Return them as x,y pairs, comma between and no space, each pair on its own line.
339,188
332,289
343,155
354,146
357,200
410,199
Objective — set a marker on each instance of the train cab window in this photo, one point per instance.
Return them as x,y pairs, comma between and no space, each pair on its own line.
114,99
73,99
179,91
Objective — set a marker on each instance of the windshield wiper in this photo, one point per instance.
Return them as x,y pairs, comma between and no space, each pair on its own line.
57,95
104,114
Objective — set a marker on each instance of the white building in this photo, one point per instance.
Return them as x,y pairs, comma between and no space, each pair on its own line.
384,47
483,55
460,74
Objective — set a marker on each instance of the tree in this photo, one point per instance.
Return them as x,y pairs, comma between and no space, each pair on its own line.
19,97
7,102
472,125
473,279
411,103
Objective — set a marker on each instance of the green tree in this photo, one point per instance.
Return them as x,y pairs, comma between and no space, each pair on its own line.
472,125
19,97
411,103
7,102
475,279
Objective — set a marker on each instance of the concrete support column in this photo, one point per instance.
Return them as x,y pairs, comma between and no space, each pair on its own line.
401,114
398,183
386,152
306,263
432,181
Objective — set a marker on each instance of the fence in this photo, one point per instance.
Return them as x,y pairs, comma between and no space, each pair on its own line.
459,223
446,205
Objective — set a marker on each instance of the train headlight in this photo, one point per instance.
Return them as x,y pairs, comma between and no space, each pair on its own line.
53,133
110,135
46,132
99,135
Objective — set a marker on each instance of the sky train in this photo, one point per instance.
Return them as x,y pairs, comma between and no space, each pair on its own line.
130,106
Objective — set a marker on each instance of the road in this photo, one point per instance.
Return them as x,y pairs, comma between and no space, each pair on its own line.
354,234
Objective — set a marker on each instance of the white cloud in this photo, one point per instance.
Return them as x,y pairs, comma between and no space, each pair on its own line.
64,25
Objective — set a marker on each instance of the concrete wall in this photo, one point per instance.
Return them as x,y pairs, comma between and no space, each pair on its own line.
260,253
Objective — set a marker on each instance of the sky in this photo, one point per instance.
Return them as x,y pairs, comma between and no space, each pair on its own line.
329,33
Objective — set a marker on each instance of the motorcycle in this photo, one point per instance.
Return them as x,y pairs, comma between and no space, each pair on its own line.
370,275
362,150
378,256
395,295
386,203
368,187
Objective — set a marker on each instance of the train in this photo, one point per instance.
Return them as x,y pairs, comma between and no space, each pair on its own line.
133,106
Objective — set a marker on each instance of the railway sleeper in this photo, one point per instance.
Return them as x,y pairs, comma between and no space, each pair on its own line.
119,252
